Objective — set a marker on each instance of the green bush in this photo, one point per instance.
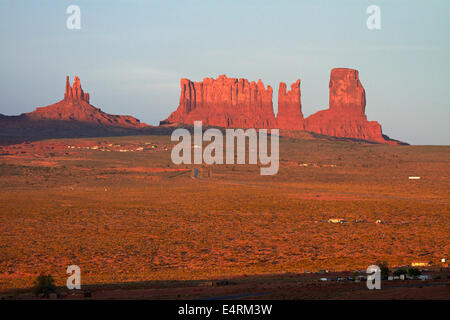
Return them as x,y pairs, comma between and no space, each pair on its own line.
414,272
44,284
384,269
399,272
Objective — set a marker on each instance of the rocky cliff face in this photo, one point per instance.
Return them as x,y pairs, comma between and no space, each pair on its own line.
346,114
229,102
75,107
225,102
346,92
75,92
290,114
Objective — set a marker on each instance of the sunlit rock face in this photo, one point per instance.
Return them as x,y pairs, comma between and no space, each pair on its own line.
76,107
238,103
346,114
225,102
290,114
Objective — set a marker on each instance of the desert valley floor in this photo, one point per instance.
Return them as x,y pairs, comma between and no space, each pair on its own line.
122,211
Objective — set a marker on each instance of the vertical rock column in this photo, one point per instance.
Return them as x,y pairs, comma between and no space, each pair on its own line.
290,114
75,92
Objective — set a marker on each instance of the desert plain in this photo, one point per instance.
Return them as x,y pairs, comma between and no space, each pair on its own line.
125,214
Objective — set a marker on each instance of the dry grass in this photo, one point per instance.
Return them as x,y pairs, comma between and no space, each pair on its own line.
133,216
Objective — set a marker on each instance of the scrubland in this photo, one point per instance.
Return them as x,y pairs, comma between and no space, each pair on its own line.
130,216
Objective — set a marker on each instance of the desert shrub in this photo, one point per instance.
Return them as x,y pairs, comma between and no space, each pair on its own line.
414,272
44,284
399,272
384,269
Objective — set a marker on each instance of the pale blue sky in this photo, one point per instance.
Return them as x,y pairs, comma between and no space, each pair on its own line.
131,54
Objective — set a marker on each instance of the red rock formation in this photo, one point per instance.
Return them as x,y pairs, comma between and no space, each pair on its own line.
225,102
346,114
75,92
290,114
75,107
229,102
346,92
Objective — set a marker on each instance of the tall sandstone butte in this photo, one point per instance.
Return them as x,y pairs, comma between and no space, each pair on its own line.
225,102
75,92
346,114
76,107
290,114
229,102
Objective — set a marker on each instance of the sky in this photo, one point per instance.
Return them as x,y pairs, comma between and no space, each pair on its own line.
130,55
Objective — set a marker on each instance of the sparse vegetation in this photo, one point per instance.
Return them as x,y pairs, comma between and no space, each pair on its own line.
132,216
384,269
399,272
44,284
414,272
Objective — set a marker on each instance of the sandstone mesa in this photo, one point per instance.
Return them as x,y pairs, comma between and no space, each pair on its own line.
225,102
238,103
222,102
